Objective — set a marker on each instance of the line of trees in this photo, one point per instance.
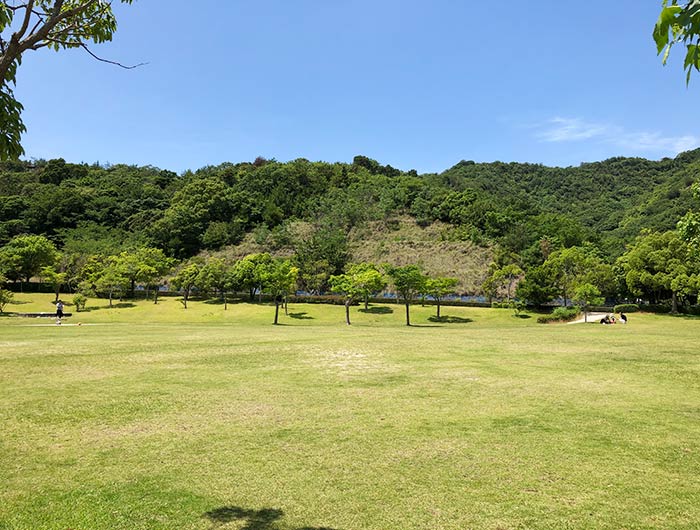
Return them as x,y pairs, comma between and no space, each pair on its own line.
658,267
117,276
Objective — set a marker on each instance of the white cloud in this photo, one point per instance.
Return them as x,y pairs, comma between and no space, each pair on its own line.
570,129
575,129
645,141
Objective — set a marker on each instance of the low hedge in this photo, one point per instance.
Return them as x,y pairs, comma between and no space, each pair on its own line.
560,314
656,308
626,308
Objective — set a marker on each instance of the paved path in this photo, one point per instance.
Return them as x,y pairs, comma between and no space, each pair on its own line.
592,317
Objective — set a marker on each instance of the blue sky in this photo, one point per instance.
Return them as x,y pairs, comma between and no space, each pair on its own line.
415,84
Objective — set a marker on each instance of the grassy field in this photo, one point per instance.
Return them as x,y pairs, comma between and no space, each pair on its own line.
153,417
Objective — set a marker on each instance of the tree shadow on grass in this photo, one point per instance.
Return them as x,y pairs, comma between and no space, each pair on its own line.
214,301
300,316
382,310
522,316
447,319
219,301
265,519
91,309
116,305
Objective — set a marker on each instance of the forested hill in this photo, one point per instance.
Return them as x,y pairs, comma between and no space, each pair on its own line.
316,207
613,200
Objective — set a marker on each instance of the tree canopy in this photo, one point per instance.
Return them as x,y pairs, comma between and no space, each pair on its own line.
658,267
37,24
25,256
679,23
409,281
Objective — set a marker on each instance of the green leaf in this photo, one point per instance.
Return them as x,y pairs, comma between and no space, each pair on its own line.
667,19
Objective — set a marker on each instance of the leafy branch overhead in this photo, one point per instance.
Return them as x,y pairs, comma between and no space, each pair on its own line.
37,24
679,24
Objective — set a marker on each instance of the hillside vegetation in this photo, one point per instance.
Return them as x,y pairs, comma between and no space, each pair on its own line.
326,215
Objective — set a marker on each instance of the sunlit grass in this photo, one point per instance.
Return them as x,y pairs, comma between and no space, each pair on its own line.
156,417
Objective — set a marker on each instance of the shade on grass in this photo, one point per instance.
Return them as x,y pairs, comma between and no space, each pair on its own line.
152,417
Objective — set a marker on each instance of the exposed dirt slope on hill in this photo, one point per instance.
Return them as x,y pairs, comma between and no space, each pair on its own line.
403,242
398,242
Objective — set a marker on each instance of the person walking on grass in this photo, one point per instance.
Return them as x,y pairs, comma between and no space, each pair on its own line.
59,310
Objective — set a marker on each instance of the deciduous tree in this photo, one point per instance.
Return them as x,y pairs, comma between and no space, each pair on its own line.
658,267
368,279
409,282
215,276
279,278
587,295
247,273
6,296
154,267
679,23
689,226
108,277
145,265
440,287
537,287
55,278
35,24
503,279
186,279
25,256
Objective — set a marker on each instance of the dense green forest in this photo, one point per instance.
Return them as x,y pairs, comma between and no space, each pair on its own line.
324,214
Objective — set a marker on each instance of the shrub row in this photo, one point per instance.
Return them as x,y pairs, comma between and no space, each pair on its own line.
626,308
560,314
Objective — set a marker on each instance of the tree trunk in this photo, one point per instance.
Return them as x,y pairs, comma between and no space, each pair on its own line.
438,308
347,312
110,298
366,302
674,303
277,310
251,291
225,301
286,306
133,288
408,316
155,294
185,297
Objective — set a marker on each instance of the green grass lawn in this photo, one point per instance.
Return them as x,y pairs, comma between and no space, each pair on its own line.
156,417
